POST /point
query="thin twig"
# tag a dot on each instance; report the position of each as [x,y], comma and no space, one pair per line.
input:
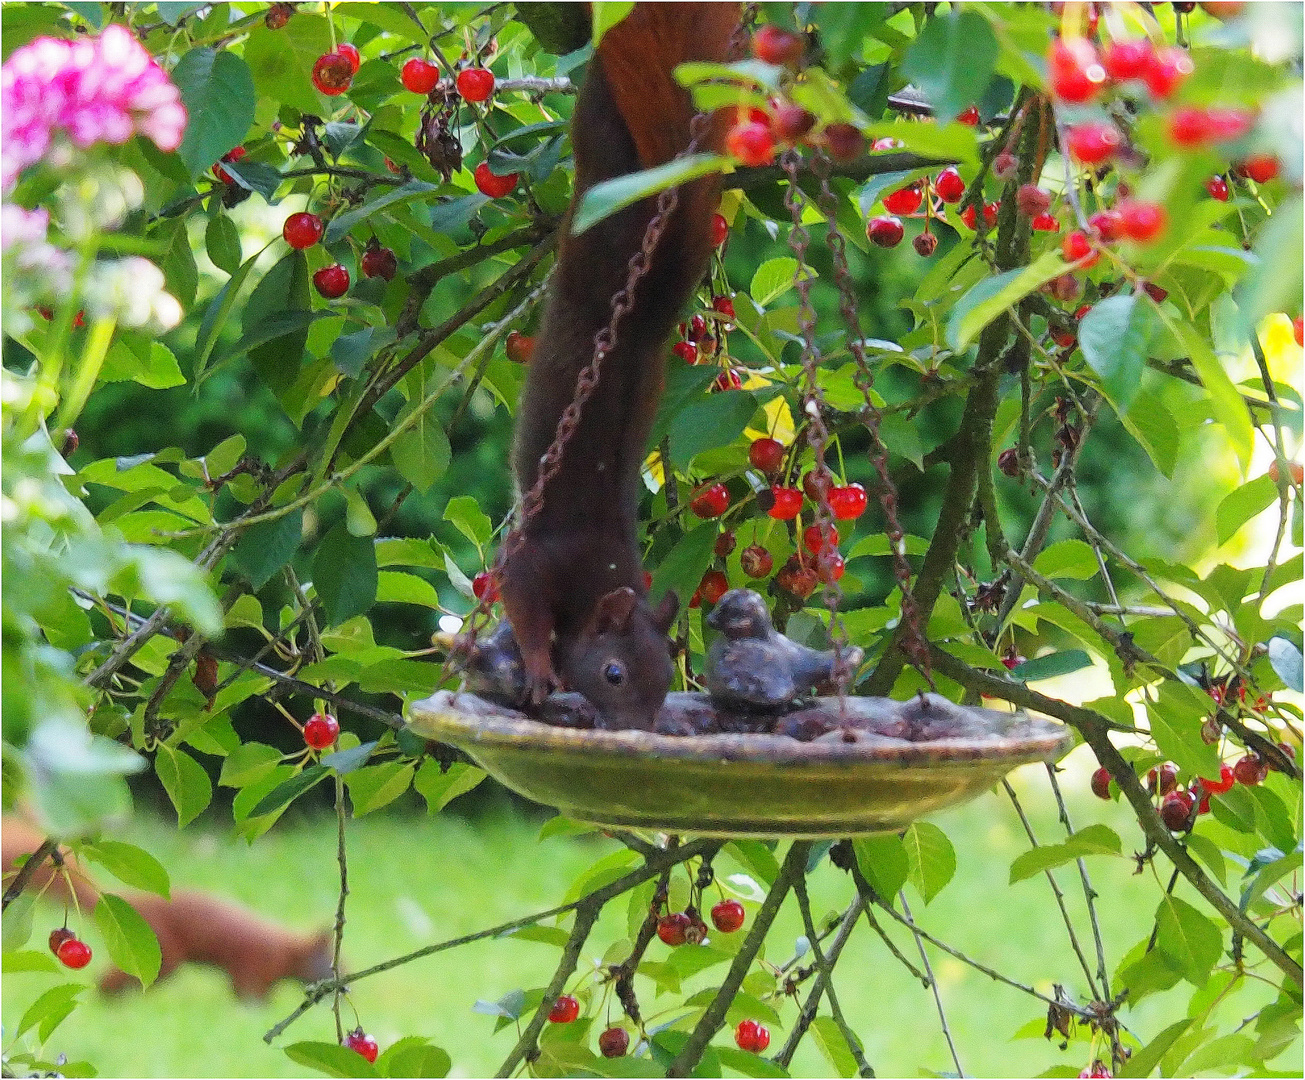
[34,862]
[933,985]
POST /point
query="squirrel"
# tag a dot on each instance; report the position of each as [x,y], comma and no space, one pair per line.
[574,591]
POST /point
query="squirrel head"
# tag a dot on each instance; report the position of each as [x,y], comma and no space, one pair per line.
[621,661]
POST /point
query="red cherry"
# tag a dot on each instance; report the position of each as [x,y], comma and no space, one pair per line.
[331,281]
[686,351]
[1097,1070]
[724,544]
[756,561]
[1077,248]
[1217,187]
[813,538]
[1101,783]
[1004,166]
[788,501]
[321,730]
[73,953]
[766,454]
[419,76]
[236,153]
[797,579]
[351,54]
[1189,126]
[713,586]
[1107,224]
[1032,200]
[565,1009]
[1045,223]
[904,200]
[829,565]
[482,584]
[332,73]
[727,916]
[1250,770]
[845,142]
[1176,809]
[1064,287]
[1261,168]
[728,380]
[1227,124]
[1142,221]
[1166,777]
[723,305]
[1165,69]
[1008,461]
[751,143]
[1074,70]
[695,600]
[886,231]
[614,1042]
[1092,143]
[519,347]
[303,230]
[362,1044]
[673,928]
[777,46]
[380,262]
[492,185]
[751,1036]
[475,84]
[697,328]
[59,936]
[969,116]
[1298,329]
[792,123]
[1223,784]
[1128,59]
[847,503]
[925,244]
[1064,336]
[720,230]
[949,185]
[710,500]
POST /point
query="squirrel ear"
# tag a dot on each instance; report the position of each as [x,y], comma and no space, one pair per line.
[612,612]
[665,612]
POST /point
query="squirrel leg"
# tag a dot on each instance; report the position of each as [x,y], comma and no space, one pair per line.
[531,618]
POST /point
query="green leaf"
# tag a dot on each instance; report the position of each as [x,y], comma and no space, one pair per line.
[247,763]
[345,574]
[993,296]
[218,92]
[129,864]
[952,61]
[129,938]
[1205,849]
[1188,938]
[375,786]
[285,793]
[180,274]
[1093,840]
[883,862]
[340,225]
[149,363]
[829,1038]
[16,923]
[265,548]
[1115,337]
[603,200]
[49,1010]
[1051,665]
[755,857]
[358,517]
[716,420]
[185,781]
[740,1061]
[1069,559]
[330,1058]
[414,1057]
[23,960]
[222,242]
[1243,503]
[931,857]
[1285,658]
[1175,717]
[1225,399]
[218,311]
[1144,1061]
[441,788]
[465,514]
[1150,422]
[422,453]
[773,279]
[1274,282]
[684,564]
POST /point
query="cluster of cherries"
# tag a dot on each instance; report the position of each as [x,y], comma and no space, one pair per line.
[613,1042]
[69,948]
[304,229]
[698,345]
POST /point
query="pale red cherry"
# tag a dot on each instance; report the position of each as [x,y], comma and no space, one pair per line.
[1166,69]
[1141,221]
[1128,59]
[1074,70]
[949,185]
[1093,143]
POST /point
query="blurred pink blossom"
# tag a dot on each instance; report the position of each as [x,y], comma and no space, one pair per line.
[103,89]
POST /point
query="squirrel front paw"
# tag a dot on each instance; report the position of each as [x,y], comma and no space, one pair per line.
[540,681]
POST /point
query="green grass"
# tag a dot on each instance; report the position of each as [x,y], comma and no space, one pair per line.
[416,880]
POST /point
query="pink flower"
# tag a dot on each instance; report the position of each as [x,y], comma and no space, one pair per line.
[103,89]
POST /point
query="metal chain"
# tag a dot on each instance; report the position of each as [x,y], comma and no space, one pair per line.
[915,644]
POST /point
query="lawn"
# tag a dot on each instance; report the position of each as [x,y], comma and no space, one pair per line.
[416,880]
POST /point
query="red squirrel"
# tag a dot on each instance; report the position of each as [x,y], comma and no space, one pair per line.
[192,927]
[574,591]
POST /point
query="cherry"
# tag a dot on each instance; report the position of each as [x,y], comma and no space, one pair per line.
[488,183]
[1185,7]
[673,928]
[830,565]
[845,142]
[818,484]
[720,230]
[1005,167]
[751,1036]
[925,244]
[792,123]
[321,730]
[1093,142]
[1008,461]
[1077,248]
[969,117]
[379,262]
[1217,187]
[1226,124]
[1165,69]
[331,281]
[725,543]
[775,45]
[696,932]
[886,231]
[565,1009]
[813,538]
[59,936]
[751,143]
[710,500]
[1223,784]
[332,73]
[1166,777]
[1250,770]
[727,916]
[350,53]
[303,230]
[1064,336]
[904,200]
[686,351]
[1011,659]
[1261,168]
[1141,221]
[788,501]
[73,953]
[990,211]
[949,185]
[1223,10]
[483,584]
[419,76]
[766,454]
[519,347]
[1032,200]
[723,305]
[614,1042]
[362,1044]
[1298,329]
[713,586]
[1107,224]
[1295,470]
[847,503]
[795,578]
[1128,59]
[236,153]
[728,380]
[1097,1070]
[278,15]
[1176,809]
[1154,291]
[1101,783]
[1189,126]
[1045,223]
[1065,287]
[475,84]
[697,328]
[757,562]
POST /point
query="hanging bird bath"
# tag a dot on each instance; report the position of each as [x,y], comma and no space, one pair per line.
[881,765]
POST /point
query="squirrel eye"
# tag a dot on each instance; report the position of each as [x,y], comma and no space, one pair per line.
[614,673]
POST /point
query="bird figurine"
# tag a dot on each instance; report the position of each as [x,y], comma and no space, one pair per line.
[753,666]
